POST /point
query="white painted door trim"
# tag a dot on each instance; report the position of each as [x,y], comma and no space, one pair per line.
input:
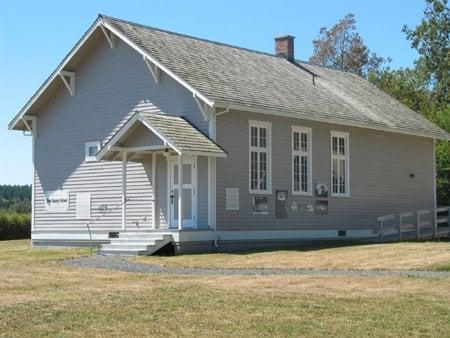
[171,162]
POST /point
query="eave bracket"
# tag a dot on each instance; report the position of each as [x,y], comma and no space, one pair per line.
[154,69]
[69,81]
[110,36]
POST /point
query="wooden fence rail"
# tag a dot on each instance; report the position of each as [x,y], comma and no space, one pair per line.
[418,222]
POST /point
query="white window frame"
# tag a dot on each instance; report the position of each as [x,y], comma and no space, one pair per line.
[88,145]
[346,157]
[308,154]
[267,150]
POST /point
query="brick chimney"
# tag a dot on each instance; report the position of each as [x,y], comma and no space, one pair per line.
[284,47]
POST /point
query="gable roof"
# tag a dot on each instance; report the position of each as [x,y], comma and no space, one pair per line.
[238,78]
[175,131]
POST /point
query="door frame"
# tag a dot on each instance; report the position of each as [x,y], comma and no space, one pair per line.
[194,194]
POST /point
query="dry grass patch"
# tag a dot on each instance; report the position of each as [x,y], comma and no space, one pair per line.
[41,297]
[392,256]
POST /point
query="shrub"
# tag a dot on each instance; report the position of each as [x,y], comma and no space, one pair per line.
[14,225]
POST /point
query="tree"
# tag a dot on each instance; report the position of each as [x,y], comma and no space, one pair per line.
[431,38]
[425,88]
[341,47]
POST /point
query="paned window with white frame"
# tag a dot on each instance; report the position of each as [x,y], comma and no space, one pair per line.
[260,158]
[340,157]
[90,150]
[301,161]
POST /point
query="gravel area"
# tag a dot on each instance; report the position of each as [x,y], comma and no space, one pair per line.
[123,264]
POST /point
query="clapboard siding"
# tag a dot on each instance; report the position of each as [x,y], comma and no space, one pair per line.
[110,85]
[380,165]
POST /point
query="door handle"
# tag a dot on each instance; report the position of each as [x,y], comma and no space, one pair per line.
[172,197]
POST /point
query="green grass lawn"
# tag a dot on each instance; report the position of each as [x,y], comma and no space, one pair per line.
[41,297]
[391,256]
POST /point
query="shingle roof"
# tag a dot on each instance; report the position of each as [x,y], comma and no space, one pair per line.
[231,75]
[179,134]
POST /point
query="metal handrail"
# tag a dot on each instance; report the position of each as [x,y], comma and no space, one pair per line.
[99,217]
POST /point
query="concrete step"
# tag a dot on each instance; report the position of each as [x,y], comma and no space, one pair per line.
[135,243]
[126,241]
[126,247]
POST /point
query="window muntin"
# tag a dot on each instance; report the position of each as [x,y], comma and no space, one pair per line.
[301,161]
[340,180]
[90,150]
[260,157]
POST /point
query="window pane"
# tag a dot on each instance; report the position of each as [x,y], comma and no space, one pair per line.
[254,136]
[187,203]
[262,137]
[304,174]
[187,174]
[254,170]
[296,141]
[296,173]
[335,145]
[335,176]
[262,171]
[304,142]
[92,150]
[342,176]
[341,146]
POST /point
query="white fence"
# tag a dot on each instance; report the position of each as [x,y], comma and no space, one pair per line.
[418,224]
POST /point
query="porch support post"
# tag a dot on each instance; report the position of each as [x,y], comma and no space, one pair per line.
[124,190]
[434,219]
[212,174]
[154,189]
[180,192]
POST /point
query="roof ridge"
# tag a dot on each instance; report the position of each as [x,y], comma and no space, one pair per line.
[217,42]
[187,35]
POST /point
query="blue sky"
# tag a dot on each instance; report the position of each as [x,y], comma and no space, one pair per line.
[36,35]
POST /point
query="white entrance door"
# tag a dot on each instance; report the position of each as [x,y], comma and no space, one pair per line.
[189,192]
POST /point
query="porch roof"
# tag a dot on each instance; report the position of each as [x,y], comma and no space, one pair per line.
[175,132]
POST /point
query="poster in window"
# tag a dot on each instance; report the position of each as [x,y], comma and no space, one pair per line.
[260,205]
[57,201]
[321,207]
[321,190]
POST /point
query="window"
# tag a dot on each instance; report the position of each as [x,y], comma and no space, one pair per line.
[301,161]
[260,161]
[91,149]
[340,173]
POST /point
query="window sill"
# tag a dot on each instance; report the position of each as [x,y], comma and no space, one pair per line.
[255,192]
[87,160]
[337,195]
[306,194]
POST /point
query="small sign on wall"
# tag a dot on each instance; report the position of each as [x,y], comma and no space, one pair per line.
[281,203]
[57,201]
[231,199]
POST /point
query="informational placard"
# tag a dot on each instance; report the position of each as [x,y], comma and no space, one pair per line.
[231,199]
[57,201]
[281,203]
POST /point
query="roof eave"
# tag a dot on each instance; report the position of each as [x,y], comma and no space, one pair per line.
[237,106]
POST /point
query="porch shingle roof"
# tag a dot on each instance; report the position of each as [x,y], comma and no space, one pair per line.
[181,133]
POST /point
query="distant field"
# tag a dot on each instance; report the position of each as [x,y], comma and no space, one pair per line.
[393,256]
[41,297]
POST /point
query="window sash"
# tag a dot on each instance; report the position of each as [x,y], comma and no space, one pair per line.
[340,164]
[301,160]
[259,157]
